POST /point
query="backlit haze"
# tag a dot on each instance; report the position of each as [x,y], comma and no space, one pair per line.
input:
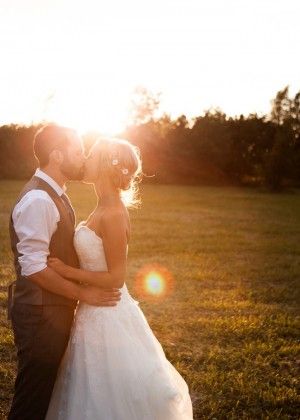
[78,62]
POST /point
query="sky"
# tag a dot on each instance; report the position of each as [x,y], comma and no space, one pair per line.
[78,62]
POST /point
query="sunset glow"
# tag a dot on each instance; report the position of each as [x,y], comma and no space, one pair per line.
[78,62]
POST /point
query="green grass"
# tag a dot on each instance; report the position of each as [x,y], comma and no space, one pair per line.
[231,324]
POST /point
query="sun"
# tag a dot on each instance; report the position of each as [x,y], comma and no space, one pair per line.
[100,110]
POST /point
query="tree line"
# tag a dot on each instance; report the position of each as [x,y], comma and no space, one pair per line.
[210,149]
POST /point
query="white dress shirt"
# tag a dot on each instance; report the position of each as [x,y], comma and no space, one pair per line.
[35,219]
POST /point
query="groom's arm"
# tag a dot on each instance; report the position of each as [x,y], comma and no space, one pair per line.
[35,220]
[53,282]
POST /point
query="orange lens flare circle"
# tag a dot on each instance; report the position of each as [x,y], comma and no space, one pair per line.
[153,282]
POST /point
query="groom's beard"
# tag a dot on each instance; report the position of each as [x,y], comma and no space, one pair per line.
[72,172]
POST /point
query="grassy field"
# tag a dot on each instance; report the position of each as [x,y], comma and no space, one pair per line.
[231,323]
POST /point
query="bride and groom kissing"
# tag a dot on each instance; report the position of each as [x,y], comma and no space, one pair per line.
[85,349]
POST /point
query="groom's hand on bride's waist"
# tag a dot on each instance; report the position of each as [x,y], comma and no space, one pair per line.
[48,279]
[100,297]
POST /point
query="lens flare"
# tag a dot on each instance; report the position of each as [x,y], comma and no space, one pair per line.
[153,282]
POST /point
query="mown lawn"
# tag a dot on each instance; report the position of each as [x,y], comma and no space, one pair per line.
[231,323]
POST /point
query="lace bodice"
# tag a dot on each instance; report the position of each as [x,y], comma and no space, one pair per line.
[89,248]
[90,251]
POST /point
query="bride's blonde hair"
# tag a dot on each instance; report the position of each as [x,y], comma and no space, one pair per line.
[121,163]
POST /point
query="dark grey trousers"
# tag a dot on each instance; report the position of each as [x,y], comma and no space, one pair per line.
[41,337]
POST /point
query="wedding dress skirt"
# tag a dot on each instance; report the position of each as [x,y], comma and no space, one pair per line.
[114,368]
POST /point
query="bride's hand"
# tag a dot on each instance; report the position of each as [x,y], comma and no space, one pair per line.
[57,265]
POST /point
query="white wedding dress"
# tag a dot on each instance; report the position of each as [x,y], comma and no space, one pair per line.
[114,368]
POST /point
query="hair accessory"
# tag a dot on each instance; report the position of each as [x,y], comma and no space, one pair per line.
[125,171]
[115,162]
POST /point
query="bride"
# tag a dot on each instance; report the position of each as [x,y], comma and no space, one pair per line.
[114,367]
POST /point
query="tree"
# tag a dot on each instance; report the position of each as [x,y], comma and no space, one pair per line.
[284,157]
[276,161]
[144,105]
[281,106]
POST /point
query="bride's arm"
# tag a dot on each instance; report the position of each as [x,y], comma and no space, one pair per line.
[114,240]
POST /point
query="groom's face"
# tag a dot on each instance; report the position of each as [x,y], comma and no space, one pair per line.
[73,163]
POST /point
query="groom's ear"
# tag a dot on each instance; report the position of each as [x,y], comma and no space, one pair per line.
[56,156]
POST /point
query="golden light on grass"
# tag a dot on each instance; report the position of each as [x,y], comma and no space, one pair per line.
[154,282]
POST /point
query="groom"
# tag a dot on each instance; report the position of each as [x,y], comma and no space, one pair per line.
[43,303]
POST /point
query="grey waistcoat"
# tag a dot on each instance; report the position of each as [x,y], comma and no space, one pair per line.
[61,246]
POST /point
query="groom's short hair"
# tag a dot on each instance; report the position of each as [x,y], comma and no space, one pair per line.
[48,138]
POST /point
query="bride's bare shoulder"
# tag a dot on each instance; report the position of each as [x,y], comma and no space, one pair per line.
[113,214]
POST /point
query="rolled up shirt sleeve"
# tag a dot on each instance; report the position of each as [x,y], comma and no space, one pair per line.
[35,220]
